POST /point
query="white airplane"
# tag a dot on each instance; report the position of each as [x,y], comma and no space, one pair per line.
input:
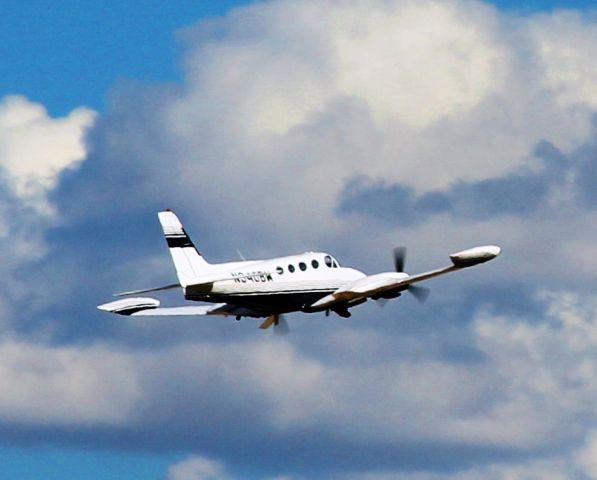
[310,282]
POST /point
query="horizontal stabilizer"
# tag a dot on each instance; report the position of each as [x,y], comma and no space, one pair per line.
[150,307]
[130,306]
[219,309]
[181,311]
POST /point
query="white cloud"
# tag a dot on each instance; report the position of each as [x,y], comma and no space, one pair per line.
[45,385]
[543,400]
[421,93]
[417,61]
[197,468]
[517,398]
[35,148]
[586,457]
[567,44]
[514,397]
[412,61]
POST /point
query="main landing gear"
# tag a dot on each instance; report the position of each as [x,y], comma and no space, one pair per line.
[342,311]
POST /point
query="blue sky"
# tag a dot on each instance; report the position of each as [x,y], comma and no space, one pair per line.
[58,463]
[259,129]
[72,53]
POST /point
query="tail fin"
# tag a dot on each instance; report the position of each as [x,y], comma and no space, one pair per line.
[187,260]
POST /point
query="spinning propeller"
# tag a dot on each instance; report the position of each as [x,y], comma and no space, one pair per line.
[420,293]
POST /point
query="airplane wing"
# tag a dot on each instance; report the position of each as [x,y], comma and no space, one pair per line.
[146,307]
[392,283]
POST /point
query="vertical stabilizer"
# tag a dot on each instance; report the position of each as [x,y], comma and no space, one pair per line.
[187,260]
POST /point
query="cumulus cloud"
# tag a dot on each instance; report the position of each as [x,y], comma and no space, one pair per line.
[513,397]
[555,182]
[390,55]
[35,148]
[59,386]
[395,54]
[566,42]
[437,93]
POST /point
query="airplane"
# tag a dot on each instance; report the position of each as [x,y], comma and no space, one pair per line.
[309,282]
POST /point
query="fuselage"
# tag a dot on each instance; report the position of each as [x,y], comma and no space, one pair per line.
[278,285]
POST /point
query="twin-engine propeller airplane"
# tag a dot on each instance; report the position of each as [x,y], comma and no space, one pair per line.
[310,282]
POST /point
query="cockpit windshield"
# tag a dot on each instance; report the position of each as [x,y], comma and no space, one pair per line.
[330,261]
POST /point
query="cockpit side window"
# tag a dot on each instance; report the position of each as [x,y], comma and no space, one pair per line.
[328,261]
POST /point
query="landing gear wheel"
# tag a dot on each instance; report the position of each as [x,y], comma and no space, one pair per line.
[342,311]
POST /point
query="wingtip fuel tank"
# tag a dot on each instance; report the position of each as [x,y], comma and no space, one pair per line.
[475,256]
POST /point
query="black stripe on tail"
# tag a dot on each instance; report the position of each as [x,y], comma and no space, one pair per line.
[179,241]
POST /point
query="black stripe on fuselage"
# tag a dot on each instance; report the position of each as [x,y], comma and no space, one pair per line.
[324,291]
[269,303]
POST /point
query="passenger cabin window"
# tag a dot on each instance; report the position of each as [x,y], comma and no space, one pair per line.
[280,270]
[302,266]
[315,264]
[328,261]
[291,268]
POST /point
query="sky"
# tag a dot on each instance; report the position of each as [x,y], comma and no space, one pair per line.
[279,127]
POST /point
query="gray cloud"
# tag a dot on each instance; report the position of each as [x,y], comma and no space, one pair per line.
[522,193]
